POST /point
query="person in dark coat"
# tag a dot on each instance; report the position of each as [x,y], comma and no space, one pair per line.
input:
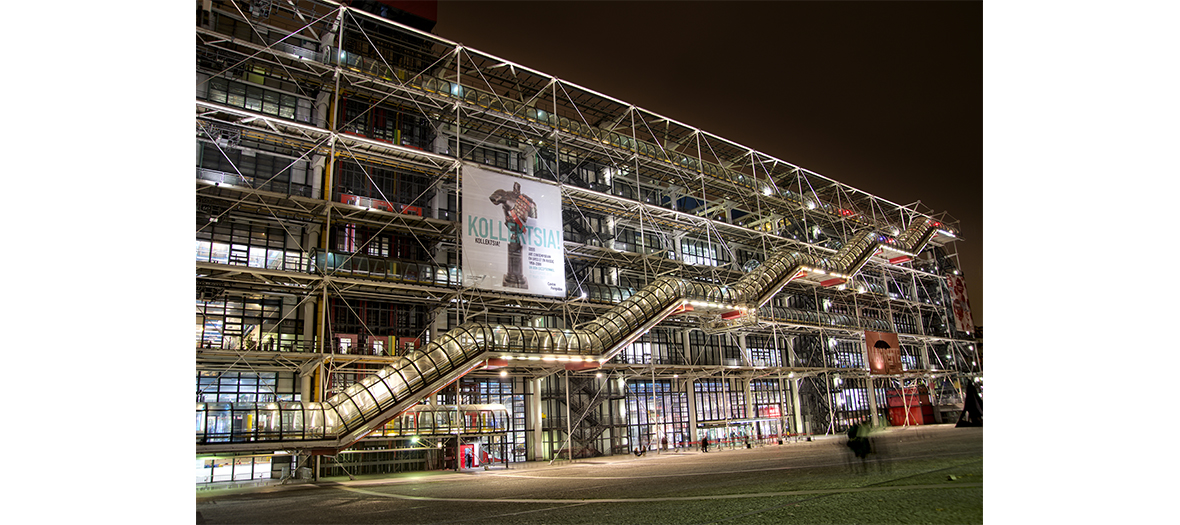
[858,441]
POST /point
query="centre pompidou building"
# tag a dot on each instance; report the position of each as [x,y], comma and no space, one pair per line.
[411,254]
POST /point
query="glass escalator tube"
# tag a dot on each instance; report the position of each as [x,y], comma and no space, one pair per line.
[758,286]
[445,359]
[344,407]
[914,238]
[410,374]
[458,347]
[358,404]
[854,255]
[292,422]
[393,383]
[695,292]
[377,388]
[332,424]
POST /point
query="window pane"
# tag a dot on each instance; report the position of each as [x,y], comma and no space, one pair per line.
[237,94]
[217,90]
[254,99]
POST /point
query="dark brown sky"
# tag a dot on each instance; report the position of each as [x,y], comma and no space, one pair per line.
[884,96]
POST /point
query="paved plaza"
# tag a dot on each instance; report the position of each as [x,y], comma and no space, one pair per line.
[918,475]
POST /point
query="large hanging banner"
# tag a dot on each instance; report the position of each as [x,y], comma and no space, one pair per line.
[512,234]
[959,304]
[884,352]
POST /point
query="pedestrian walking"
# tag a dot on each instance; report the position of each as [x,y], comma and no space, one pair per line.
[858,441]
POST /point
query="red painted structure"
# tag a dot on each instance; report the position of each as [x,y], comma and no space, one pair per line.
[915,400]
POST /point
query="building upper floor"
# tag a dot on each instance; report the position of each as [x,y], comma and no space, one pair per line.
[343,73]
[344,122]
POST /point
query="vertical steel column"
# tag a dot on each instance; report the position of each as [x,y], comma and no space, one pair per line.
[828,386]
[569,417]
[864,355]
[458,429]
[556,139]
[747,387]
[655,400]
[741,342]
[924,356]
[792,358]
[692,411]
[728,404]
[796,405]
[914,290]
[325,235]
[458,154]
[534,420]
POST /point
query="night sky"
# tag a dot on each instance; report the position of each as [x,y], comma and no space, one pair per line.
[886,97]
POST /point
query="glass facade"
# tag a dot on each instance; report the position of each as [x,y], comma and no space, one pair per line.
[330,301]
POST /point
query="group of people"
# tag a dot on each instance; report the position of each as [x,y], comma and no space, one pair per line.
[858,441]
[704,445]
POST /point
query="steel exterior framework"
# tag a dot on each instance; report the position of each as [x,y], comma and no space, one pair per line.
[728,196]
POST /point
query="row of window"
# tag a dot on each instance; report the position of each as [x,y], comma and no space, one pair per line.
[249,323]
[574,168]
[263,171]
[377,242]
[390,124]
[246,387]
[377,318]
[254,98]
[396,186]
[508,160]
[252,256]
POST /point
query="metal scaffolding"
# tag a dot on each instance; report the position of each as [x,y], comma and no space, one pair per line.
[331,149]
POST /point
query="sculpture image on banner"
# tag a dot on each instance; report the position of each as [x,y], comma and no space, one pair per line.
[884,352]
[512,234]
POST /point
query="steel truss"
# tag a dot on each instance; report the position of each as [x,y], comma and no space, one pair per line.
[651,174]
